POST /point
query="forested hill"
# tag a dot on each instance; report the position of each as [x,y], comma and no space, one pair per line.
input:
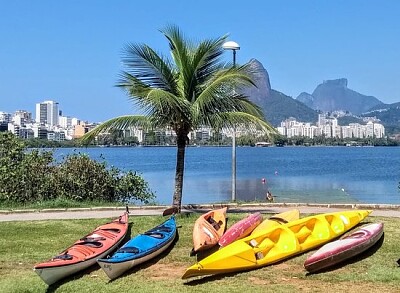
[278,107]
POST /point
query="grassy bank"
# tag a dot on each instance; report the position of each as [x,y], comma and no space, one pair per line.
[26,243]
[58,203]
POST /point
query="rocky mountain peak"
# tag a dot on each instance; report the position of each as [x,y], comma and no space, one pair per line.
[341,82]
[333,95]
[262,90]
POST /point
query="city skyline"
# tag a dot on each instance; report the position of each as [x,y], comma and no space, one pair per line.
[71,53]
[60,127]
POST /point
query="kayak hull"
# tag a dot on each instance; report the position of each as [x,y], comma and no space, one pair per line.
[340,250]
[240,229]
[277,220]
[84,252]
[140,249]
[208,229]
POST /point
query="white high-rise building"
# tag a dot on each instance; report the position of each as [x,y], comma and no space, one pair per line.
[47,113]
[5,117]
[22,117]
[65,121]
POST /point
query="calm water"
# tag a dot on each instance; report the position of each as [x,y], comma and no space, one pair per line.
[292,174]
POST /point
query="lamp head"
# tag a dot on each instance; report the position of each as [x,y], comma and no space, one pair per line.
[231,45]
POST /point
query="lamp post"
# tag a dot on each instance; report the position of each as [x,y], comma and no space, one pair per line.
[233,46]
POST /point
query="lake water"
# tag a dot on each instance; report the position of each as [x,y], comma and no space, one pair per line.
[292,174]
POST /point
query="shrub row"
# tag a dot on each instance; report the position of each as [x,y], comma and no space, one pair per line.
[28,176]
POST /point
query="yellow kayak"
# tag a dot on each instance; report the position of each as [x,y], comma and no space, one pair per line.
[277,243]
[277,220]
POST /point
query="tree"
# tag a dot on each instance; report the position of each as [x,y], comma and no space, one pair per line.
[192,89]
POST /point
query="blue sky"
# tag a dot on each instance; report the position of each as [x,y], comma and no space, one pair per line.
[70,51]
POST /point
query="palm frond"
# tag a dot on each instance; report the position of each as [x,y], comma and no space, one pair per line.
[233,120]
[143,63]
[180,47]
[118,123]
[164,108]
[207,57]
[182,52]
[243,104]
[220,94]
[204,63]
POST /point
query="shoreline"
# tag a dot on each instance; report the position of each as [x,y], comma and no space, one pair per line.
[384,210]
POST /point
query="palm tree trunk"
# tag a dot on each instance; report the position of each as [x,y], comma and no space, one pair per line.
[180,166]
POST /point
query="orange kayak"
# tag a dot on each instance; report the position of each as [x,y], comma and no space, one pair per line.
[84,252]
[208,229]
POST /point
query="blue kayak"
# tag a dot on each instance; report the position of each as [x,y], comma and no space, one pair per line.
[139,249]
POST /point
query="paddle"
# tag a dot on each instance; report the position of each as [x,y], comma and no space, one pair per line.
[170,211]
[279,220]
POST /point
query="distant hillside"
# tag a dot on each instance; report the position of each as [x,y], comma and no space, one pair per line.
[346,120]
[306,99]
[334,95]
[279,107]
[389,114]
[383,107]
[275,105]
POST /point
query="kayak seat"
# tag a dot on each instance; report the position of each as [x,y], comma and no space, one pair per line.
[114,230]
[64,256]
[91,243]
[128,250]
[216,225]
[160,229]
[155,234]
[92,239]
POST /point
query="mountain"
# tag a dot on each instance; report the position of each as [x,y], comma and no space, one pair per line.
[389,114]
[275,105]
[279,107]
[306,99]
[334,95]
[329,96]
[259,94]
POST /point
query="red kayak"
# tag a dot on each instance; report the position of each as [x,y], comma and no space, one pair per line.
[240,229]
[84,252]
[340,250]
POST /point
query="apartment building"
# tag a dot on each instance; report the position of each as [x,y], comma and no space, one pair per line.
[328,126]
[47,113]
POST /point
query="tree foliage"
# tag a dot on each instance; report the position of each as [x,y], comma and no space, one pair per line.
[193,89]
[28,176]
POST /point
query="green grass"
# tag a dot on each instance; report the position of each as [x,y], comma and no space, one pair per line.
[58,203]
[26,243]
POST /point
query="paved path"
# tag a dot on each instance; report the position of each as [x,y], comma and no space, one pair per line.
[104,212]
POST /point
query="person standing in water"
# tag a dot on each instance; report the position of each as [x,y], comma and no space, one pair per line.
[269,196]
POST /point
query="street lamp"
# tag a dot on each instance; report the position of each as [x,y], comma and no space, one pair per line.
[233,46]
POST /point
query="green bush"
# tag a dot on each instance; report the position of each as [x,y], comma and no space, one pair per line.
[34,176]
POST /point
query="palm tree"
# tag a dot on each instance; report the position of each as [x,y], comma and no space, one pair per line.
[192,89]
